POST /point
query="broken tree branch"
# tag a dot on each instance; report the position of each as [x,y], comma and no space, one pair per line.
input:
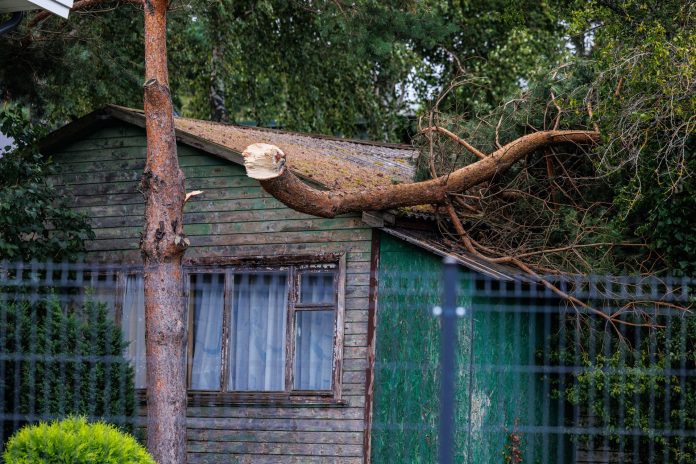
[470,148]
[612,319]
[266,163]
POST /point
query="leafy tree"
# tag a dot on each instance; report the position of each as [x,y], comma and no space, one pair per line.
[644,63]
[35,222]
[61,69]
[633,384]
[332,67]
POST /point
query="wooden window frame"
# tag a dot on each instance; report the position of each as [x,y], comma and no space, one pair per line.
[295,266]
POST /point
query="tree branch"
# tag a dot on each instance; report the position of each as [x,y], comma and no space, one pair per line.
[470,148]
[266,163]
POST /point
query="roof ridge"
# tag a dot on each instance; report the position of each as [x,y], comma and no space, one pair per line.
[399,146]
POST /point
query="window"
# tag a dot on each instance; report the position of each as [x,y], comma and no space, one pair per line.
[133,324]
[251,330]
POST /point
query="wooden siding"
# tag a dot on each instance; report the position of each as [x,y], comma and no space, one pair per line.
[234,217]
[488,402]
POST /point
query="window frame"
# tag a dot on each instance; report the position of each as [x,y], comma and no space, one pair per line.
[295,266]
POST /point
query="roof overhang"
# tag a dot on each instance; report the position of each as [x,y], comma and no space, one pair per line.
[464,258]
[58,7]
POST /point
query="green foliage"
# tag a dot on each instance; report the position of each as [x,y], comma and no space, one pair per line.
[65,68]
[326,67]
[500,44]
[634,384]
[631,77]
[356,68]
[64,361]
[35,221]
[645,101]
[74,441]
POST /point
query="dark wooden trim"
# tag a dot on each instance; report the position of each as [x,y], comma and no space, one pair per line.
[371,343]
[189,321]
[339,318]
[261,261]
[293,283]
[228,295]
[321,399]
[267,399]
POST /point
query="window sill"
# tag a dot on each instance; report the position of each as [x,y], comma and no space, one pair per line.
[259,399]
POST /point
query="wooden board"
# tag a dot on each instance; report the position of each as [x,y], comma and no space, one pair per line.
[233,218]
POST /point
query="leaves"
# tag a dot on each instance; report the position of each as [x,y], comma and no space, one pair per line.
[76,441]
[35,221]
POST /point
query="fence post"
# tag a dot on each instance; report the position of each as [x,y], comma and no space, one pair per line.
[448,343]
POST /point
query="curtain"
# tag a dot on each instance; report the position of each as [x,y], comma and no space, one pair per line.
[314,333]
[317,288]
[313,349]
[257,332]
[103,291]
[208,296]
[133,326]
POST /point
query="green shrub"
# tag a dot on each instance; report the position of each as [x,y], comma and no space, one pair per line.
[63,362]
[74,441]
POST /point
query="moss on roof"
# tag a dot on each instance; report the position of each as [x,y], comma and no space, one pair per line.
[334,163]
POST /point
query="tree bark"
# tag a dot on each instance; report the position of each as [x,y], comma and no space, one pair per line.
[162,246]
[218,110]
[266,163]
[216,91]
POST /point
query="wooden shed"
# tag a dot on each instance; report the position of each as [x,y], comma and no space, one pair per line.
[282,306]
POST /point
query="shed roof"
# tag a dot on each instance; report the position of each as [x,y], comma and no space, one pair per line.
[328,161]
[440,246]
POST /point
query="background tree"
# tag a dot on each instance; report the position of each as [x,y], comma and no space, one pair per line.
[35,222]
[347,68]
[69,375]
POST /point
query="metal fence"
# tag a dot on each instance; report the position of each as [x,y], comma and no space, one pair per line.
[535,376]
[61,347]
[505,371]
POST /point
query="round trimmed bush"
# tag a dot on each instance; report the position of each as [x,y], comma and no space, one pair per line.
[74,441]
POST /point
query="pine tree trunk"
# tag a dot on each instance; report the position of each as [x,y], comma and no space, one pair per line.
[162,246]
[216,91]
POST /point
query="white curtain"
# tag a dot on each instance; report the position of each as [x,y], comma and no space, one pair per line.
[317,288]
[133,326]
[257,335]
[207,297]
[313,349]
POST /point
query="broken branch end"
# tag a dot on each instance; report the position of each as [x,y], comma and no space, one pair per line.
[264,161]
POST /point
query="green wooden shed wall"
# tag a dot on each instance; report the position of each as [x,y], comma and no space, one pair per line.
[405,410]
[234,217]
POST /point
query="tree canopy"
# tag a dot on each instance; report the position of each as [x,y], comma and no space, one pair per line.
[368,68]
[336,67]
